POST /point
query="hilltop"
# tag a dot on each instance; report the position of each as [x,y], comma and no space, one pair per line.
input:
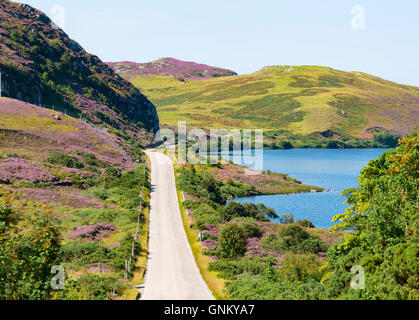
[181,70]
[41,65]
[289,102]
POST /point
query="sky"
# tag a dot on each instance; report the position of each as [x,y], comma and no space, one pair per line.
[379,37]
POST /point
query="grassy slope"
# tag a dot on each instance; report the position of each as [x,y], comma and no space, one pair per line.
[30,133]
[297,100]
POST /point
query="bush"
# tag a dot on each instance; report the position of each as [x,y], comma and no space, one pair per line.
[232,241]
[305,223]
[91,287]
[300,267]
[202,220]
[64,160]
[286,218]
[89,159]
[232,269]
[293,238]
[258,287]
[84,253]
[387,139]
[251,229]
[249,210]
[28,250]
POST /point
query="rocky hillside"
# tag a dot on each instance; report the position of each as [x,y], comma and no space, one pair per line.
[308,102]
[182,70]
[41,65]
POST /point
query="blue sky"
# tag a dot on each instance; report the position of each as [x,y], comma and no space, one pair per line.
[245,35]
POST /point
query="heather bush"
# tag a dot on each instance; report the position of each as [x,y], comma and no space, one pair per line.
[95,231]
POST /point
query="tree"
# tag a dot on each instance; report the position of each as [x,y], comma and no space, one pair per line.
[232,241]
[27,252]
[383,214]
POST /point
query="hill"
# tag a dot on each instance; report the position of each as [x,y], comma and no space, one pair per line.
[81,184]
[41,65]
[289,102]
[34,132]
[181,70]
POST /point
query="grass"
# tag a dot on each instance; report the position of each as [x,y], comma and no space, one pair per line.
[141,263]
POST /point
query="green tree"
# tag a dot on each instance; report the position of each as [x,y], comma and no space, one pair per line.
[27,252]
[383,214]
[232,241]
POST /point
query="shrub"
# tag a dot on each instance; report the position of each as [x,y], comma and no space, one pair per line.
[232,241]
[84,253]
[300,267]
[64,160]
[250,210]
[286,218]
[251,229]
[231,269]
[305,223]
[387,139]
[259,287]
[91,287]
[293,238]
[28,250]
[202,220]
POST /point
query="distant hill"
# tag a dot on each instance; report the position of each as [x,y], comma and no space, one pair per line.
[288,101]
[182,70]
[41,65]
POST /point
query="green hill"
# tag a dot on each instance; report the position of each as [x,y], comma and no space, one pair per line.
[308,102]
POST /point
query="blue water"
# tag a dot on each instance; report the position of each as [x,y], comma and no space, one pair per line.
[333,169]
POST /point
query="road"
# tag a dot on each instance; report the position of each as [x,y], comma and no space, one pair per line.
[172,273]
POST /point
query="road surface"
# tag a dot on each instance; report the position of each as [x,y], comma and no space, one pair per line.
[172,273]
